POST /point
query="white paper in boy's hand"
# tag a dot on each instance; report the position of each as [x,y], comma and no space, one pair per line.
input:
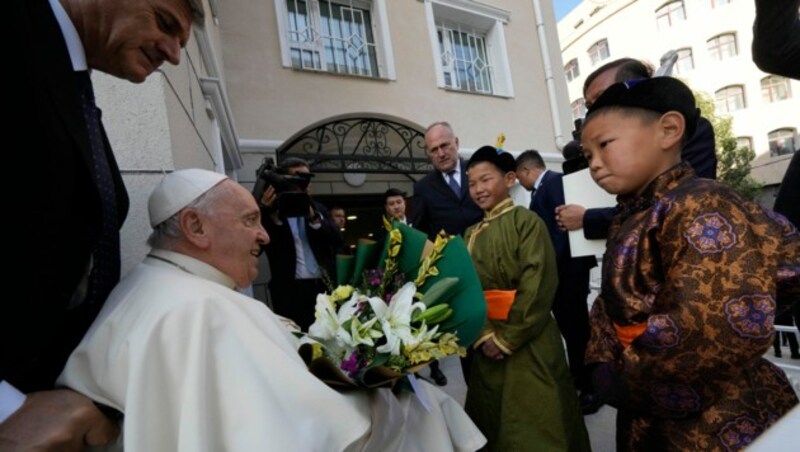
[580,189]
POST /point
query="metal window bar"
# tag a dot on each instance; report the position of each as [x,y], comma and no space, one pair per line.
[464,60]
[332,36]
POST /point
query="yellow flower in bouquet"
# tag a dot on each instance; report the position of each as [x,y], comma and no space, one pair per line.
[383,323]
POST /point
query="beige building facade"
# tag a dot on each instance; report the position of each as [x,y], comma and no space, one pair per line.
[713,40]
[262,76]
[479,65]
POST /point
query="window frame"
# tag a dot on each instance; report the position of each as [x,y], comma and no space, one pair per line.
[749,141]
[667,10]
[714,47]
[682,57]
[727,101]
[384,58]
[596,57]
[479,19]
[773,83]
[572,70]
[792,132]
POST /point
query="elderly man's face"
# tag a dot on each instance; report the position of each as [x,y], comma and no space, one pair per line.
[134,37]
[235,234]
[442,147]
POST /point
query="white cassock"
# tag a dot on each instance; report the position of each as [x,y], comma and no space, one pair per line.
[196,366]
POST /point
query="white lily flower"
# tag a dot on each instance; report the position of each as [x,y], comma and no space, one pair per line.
[422,335]
[395,317]
[327,320]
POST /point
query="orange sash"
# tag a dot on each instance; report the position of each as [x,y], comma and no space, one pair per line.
[627,334]
[499,303]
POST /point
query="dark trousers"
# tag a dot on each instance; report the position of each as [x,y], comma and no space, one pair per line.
[572,315]
[296,298]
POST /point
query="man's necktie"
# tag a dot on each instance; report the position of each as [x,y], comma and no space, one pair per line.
[105,264]
[451,176]
[312,267]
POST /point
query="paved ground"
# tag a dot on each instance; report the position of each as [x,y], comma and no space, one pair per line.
[601,425]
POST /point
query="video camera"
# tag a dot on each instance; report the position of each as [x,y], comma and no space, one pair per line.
[291,189]
[573,152]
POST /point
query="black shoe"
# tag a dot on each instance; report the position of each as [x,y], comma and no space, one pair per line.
[778,354]
[438,376]
[590,403]
[795,355]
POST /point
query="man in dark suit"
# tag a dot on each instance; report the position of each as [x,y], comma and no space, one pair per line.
[569,305]
[67,219]
[301,252]
[441,199]
[699,150]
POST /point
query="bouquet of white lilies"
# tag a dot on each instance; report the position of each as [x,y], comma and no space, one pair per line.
[385,328]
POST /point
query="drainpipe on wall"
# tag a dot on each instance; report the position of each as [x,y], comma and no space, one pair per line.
[555,111]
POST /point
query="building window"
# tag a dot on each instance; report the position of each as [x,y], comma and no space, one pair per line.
[469,42]
[464,61]
[578,109]
[338,36]
[599,51]
[572,70]
[775,88]
[744,142]
[783,141]
[730,98]
[723,46]
[716,3]
[670,14]
[685,62]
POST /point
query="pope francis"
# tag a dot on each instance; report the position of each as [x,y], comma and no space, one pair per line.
[195,365]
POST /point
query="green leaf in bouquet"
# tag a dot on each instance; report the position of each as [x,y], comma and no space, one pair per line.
[468,302]
[441,291]
[349,269]
[344,268]
[364,259]
[466,298]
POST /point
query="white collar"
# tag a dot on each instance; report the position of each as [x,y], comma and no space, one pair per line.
[456,173]
[163,258]
[74,46]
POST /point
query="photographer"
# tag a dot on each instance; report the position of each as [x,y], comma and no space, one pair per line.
[303,239]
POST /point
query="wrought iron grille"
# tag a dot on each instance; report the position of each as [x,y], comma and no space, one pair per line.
[375,144]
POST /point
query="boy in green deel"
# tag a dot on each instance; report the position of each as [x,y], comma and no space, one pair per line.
[693,275]
[520,392]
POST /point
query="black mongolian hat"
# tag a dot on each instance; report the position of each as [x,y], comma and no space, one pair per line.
[501,159]
[659,94]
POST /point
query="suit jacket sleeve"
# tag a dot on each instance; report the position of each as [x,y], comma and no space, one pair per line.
[597,221]
[700,150]
[419,214]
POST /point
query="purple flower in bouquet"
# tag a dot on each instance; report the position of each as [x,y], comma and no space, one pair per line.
[352,365]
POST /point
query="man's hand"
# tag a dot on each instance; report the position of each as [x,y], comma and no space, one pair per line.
[491,350]
[570,217]
[61,420]
[269,196]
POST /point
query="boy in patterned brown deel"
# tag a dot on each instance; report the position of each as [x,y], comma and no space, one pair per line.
[693,275]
